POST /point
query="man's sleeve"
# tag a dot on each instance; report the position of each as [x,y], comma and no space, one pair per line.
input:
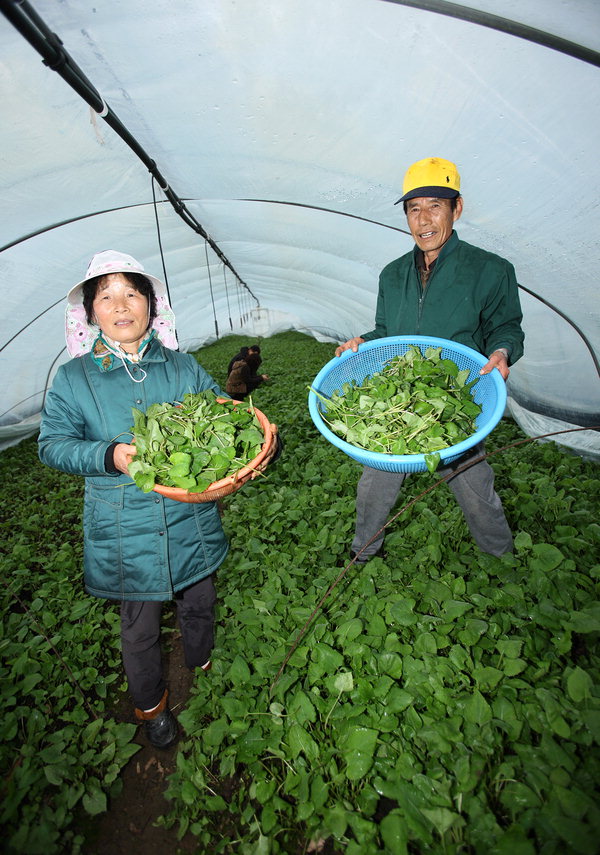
[380,330]
[503,316]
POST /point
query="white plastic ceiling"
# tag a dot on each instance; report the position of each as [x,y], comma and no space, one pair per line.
[286,126]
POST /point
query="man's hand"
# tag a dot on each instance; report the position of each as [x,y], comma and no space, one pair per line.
[351,344]
[122,456]
[497,360]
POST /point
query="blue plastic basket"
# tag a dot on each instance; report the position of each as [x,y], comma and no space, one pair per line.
[489,392]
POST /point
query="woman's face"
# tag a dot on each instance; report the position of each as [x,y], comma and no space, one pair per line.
[120,311]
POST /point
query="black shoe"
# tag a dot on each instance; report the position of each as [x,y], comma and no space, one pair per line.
[162,730]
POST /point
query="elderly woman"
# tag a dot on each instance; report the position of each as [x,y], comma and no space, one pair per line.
[139,548]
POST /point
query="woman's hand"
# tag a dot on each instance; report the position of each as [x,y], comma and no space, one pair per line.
[274,451]
[122,456]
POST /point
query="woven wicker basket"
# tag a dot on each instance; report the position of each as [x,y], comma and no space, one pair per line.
[226,486]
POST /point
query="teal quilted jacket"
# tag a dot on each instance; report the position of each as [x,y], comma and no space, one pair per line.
[137,546]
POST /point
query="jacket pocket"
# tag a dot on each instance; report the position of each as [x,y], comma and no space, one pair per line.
[102,513]
[211,542]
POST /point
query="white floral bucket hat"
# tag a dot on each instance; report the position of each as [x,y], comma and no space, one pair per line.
[80,335]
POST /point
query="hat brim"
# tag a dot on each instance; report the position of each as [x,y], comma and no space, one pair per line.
[75,295]
[429,193]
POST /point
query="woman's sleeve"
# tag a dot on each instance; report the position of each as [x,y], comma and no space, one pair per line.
[61,443]
[204,382]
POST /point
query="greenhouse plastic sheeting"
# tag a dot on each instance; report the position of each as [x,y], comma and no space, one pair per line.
[286,128]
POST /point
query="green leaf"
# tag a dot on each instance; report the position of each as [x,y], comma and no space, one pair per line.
[573,801]
[319,792]
[215,732]
[587,620]
[432,461]
[579,684]
[487,677]
[344,682]
[302,708]
[523,541]
[441,818]
[265,790]
[401,612]
[580,837]
[505,711]
[94,801]
[397,700]
[181,458]
[358,750]
[517,796]
[546,557]
[326,660]
[394,833]
[92,730]
[336,820]
[29,682]
[125,752]
[300,741]
[239,671]
[558,723]
[263,846]
[509,647]
[390,663]
[425,644]
[514,841]
[56,773]
[454,609]
[512,667]
[145,480]
[591,719]
[472,632]
[477,709]
[349,630]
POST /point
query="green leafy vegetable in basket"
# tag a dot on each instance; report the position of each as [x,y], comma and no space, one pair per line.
[417,404]
[194,443]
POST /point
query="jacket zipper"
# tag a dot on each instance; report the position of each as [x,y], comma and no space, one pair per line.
[422,293]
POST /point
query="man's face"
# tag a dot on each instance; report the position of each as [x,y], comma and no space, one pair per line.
[430,222]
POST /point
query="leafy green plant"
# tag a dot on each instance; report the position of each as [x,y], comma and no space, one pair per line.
[442,701]
[60,749]
[416,404]
[193,443]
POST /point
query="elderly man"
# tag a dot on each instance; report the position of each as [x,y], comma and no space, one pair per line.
[448,289]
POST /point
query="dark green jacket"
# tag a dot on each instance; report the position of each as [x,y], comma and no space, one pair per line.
[471,297]
[137,546]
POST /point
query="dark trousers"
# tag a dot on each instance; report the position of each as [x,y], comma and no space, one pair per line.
[473,489]
[140,639]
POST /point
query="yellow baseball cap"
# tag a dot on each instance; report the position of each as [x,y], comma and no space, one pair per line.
[432,176]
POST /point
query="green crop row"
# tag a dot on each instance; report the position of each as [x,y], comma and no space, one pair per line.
[437,700]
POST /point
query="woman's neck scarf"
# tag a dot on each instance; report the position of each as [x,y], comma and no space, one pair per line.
[105,351]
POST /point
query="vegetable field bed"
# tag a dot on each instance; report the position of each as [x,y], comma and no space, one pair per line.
[442,701]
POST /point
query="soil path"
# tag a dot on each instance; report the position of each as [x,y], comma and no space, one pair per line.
[127,828]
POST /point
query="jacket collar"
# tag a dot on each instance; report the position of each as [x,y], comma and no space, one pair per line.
[107,361]
[445,251]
